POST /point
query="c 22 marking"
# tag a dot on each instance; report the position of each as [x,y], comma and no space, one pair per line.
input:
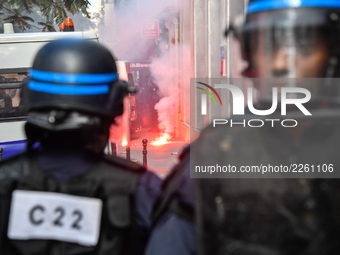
[37,213]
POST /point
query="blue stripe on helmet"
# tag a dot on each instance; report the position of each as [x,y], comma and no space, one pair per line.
[73,78]
[68,89]
[264,5]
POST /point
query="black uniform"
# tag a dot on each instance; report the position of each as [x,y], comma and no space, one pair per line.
[291,212]
[112,180]
[173,216]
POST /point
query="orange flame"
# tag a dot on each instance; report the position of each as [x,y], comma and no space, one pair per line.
[163,139]
[124,143]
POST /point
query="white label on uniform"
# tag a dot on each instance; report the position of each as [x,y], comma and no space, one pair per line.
[54,216]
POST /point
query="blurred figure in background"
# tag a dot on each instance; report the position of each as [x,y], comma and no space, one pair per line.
[152,97]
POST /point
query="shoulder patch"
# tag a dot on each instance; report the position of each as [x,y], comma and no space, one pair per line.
[123,163]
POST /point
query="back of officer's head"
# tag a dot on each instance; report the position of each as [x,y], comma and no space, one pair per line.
[72,94]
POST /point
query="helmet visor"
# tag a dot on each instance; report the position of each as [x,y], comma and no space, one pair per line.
[291,43]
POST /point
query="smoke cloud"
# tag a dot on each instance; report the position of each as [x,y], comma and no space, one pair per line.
[122,34]
[122,27]
[165,73]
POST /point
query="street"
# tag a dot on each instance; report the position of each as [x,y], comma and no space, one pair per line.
[160,158]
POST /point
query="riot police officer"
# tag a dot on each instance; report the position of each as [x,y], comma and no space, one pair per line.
[280,212]
[63,195]
[173,216]
[274,201]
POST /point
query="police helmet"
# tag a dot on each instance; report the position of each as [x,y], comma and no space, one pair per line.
[305,33]
[72,95]
[75,74]
[292,43]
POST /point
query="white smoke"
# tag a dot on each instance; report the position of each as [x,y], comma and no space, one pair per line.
[121,31]
[165,73]
[122,34]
